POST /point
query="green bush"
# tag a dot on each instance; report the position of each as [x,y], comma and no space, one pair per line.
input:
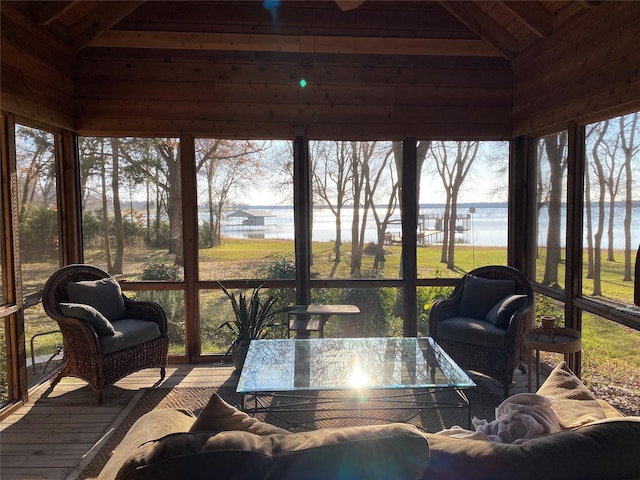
[154,270]
[39,235]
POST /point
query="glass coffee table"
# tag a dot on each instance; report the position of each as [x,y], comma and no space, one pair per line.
[364,374]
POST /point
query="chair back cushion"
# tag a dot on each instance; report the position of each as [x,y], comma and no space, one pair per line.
[93,317]
[480,295]
[104,295]
[501,313]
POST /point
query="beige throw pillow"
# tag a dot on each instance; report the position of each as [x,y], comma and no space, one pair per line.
[218,416]
[575,404]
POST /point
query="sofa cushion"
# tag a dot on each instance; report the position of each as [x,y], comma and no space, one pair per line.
[602,450]
[104,295]
[371,452]
[479,295]
[154,424]
[218,416]
[129,333]
[472,331]
[93,317]
[501,313]
[575,404]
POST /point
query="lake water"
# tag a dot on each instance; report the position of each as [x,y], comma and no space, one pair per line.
[486,227]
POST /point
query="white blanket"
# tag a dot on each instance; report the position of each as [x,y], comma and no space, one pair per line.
[518,418]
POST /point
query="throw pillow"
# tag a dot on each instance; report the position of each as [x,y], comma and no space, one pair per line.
[101,325]
[500,315]
[104,295]
[575,404]
[479,295]
[218,416]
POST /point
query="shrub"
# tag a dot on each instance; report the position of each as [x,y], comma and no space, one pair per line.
[154,270]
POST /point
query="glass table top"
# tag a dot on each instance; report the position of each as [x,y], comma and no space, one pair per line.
[343,363]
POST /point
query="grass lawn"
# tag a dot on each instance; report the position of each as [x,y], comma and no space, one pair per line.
[609,349]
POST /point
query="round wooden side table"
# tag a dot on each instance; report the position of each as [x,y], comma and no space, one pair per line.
[559,340]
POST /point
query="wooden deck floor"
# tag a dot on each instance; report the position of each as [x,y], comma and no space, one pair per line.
[55,435]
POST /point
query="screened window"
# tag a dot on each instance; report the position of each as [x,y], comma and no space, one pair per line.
[462,218]
[551,204]
[612,209]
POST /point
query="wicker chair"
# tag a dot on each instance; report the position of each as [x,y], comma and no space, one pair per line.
[84,357]
[468,335]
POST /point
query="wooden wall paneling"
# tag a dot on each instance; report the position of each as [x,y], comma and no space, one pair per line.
[557,70]
[617,101]
[109,74]
[26,33]
[598,28]
[272,130]
[582,82]
[293,17]
[585,71]
[30,90]
[131,95]
[36,72]
[302,114]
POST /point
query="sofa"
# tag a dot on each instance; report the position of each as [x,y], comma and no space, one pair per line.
[596,442]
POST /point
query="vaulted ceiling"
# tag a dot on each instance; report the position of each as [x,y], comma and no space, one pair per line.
[373,68]
[440,28]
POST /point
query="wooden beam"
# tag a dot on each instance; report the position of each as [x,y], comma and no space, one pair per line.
[293,43]
[45,12]
[100,20]
[534,15]
[484,26]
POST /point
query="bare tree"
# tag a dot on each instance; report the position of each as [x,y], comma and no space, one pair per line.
[555,148]
[35,169]
[384,173]
[628,131]
[116,267]
[598,151]
[453,162]
[361,153]
[228,166]
[332,175]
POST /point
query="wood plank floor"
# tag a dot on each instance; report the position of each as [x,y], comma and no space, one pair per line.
[56,434]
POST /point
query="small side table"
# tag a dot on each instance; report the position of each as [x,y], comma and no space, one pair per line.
[304,326]
[559,340]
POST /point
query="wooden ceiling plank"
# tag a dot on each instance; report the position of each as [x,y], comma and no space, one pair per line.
[44,12]
[534,15]
[292,43]
[100,20]
[484,26]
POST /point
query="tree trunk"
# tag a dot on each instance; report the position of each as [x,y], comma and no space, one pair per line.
[554,145]
[628,148]
[117,210]
[105,215]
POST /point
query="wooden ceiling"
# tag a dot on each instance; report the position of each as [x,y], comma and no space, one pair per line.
[375,68]
[440,28]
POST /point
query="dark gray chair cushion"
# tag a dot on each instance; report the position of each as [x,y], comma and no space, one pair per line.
[502,311]
[472,331]
[101,325]
[479,295]
[129,333]
[104,295]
